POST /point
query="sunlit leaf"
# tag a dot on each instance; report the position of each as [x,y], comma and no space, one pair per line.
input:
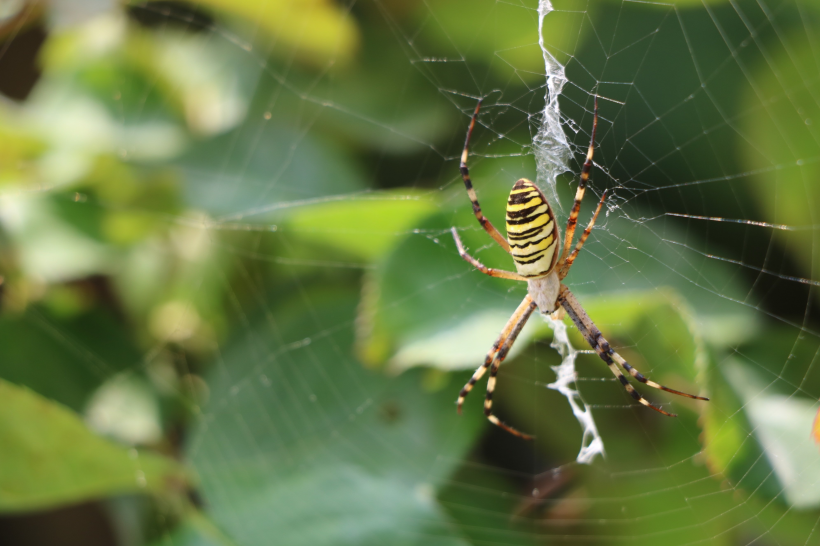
[317,31]
[782,426]
[125,409]
[50,458]
[462,347]
[143,77]
[781,423]
[366,225]
[756,434]
[51,248]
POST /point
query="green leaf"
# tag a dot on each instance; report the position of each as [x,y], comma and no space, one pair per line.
[64,358]
[758,430]
[196,529]
[781,424]
[781,125]
[503,35]
[51,458]
[366,225]
[51,248]
[464,345]
[147,80]
[358,105]
[311,447]
[341,504]
[316,31]
[209,81]
[260,168]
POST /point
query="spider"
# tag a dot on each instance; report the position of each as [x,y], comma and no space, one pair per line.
[532,236]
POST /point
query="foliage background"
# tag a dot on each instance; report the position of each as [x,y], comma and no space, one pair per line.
[232,313]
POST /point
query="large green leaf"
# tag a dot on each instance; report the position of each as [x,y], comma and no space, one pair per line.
[302,442]
[50,458]
[263,167]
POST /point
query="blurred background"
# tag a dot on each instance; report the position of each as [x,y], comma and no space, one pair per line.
[232,313]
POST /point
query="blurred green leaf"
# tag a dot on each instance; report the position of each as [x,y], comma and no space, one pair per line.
[338,504]
[462,347]
[365,226]
[50,458]
[777,521]
[781,126]
[263,167]
[78,126]
[144,78]
[358,105]
[195,530]
[209,81]
[780,423]
[317,31]
[366,464]
[423,287]
[498,520]
[637,488]
[683,3]
[19,149]
[64,358]
[503,35]
[757,434]
[49,247]
[100,60]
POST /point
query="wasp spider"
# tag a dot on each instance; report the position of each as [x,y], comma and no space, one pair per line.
[532,238]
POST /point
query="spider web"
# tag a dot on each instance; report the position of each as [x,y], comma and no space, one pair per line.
[321,324]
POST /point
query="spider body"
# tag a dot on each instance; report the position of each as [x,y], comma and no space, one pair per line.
[532,241]
[533,235]
[531,230]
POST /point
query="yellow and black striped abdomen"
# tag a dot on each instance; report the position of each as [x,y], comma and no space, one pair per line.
[531,230]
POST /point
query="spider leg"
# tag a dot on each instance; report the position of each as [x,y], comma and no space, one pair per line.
[564,268]
[465,175]
[499,358]
[601,346]
[501,274]
[505,333]
[640,377]
[582,186]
